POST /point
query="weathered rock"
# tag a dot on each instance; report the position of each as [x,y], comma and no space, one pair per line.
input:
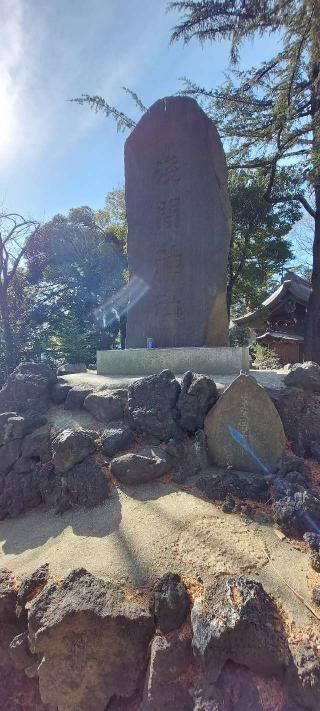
[37,445]
[316,595]
[59,392]
[85,485]
[70,447]
[76,397]
[165,686]
[144,465]
[88,632]
[303,677]
[244,430]
[300,415]
[19,492]
[8,596]
[297,513]
[69,368]
[152,405]
[179,221]
[313,542]
[27,388]
[237,620]
[24,465]
[304,375]
[4,417]
[32,585]
[170,603]
[198,394]
[294,470]
[19,651]
[190,456]
[245,485]
[105,406]
[116,438]
[33,422]
[9,453]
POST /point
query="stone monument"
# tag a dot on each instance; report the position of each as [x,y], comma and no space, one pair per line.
[179,220]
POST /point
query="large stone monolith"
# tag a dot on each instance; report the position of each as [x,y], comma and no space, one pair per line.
[179,220]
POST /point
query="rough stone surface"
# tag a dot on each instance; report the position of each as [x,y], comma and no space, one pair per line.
[8,596]
[69,368]
[237,620]
[105,406]
[170,659]
[92,639]
[313,542]
[76,397]
[59,392]
[152,405]
[11,427]
[297,513]
[32,585]
[198,394]
[255,425]
[27,388]
[9,453]
[170,603]
[144,465]
[190,456]
[304,375]
[85,485]
[37,445]
[70,447]
[300,415]
[244,485]
[179,221]
[116,438]
[304,677]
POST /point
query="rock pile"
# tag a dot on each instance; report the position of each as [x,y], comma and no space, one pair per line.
[66,645]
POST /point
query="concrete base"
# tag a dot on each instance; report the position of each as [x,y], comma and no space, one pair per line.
[141,361]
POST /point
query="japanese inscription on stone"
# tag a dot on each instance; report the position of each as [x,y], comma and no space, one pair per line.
[179,221]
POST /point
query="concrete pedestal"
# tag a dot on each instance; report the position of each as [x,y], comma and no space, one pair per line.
[141,361]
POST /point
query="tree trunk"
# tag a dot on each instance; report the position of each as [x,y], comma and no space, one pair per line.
[312,329]
[10,355]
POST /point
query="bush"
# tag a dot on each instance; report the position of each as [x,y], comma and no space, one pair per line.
[240,335]
[265,358]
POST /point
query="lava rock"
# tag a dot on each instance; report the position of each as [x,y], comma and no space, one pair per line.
[71,447]
[88,632]
[297,513]
[19,651]
[313,541]
[27,388]
[37,445]
[4,428]
[190,456]
[300,414]
[229,504]
[116,438]
[105,407]
[8,597]
[316,595]
[303,676]
[198,394]
[237,620]
[245,485]
[139,467]
[170,658]
[70,368]
[9,453]
[32,585]
[59,392]
[84,485]
[24,465]
[33,422]
[170,603]
[76,397]
[152,405]
[304,375]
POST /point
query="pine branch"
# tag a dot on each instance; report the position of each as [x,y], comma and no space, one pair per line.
[98,104]
[135,98]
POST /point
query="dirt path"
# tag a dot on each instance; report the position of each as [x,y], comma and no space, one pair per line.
[142,532]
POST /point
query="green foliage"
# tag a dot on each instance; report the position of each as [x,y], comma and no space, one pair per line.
[239,335]
[112,218]
[259,249]
[265,358]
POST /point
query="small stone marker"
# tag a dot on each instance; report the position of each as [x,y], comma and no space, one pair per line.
[256,426]
[179,226]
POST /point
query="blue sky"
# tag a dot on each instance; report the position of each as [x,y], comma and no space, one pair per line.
[55,155]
